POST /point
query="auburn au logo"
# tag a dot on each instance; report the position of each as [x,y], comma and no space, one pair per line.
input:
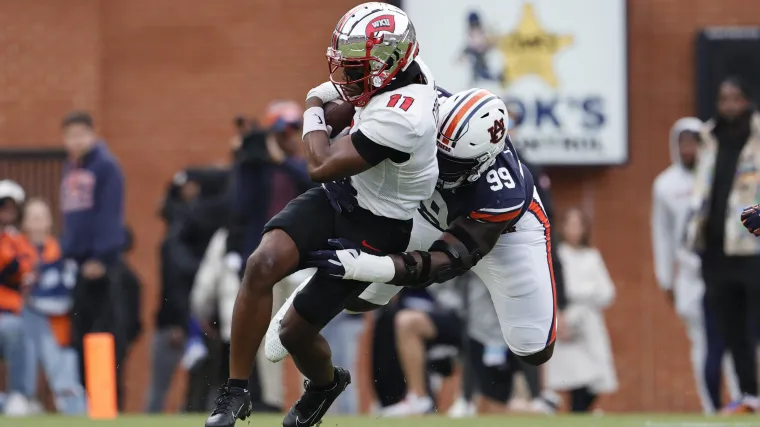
[497,131]
[381,23]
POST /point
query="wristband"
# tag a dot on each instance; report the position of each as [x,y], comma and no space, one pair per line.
[314,120]
[371,268]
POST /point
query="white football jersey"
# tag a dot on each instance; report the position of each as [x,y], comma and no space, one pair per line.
[403,119]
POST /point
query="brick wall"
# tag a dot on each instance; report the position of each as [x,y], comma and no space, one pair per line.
[164,82]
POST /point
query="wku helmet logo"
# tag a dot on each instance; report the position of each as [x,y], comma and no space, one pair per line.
[381,23]
[497,131]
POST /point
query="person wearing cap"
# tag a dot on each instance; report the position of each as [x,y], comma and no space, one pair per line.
[727,179]
[16,274]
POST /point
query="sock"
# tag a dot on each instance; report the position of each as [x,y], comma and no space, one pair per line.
[238,383]
[327,387]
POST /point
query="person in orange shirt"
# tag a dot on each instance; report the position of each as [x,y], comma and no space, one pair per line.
[16,271]
[46,314]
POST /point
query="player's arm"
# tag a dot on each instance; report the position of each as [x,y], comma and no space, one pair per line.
[456,251]
[348,156]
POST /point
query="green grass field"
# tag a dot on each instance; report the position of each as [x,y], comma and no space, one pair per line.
[432,421]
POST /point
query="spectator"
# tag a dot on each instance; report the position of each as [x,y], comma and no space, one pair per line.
[582,361]
[417,328]
[132,288]
[388,378]
[678,269]
[194,207]
[46,315]
[16,273]
[213,294]
[92,202]
[726,182]
[177,266]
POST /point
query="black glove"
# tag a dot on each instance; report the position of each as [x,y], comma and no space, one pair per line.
[342,195]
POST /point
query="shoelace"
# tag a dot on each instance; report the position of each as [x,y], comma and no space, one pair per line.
[222,402]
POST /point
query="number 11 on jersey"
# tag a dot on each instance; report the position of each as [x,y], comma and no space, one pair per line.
[395,98]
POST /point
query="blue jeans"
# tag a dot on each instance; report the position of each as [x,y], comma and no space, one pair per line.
[13,351]
[343,334]
[61,365]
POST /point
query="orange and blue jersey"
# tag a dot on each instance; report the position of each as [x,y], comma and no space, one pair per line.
[51,293]
[17,259]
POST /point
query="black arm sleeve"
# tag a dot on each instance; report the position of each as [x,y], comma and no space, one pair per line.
[374,153]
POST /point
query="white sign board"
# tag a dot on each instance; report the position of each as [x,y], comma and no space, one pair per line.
[559,64]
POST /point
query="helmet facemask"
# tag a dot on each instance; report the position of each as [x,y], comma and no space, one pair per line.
[454,172]
[358,78]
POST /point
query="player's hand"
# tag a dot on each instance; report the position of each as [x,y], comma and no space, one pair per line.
[751,219]
[342,195]
[339,262]
[325,92]
[93,270]
[347,261]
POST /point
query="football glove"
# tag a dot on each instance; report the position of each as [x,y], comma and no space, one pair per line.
[338,262]
[342,195]
[751,219]
[347,261]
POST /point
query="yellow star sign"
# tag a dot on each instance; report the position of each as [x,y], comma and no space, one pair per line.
[529,49]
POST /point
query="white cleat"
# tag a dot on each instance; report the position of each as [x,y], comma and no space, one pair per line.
[273,348]
[410,406]
[462,409]
[17,406]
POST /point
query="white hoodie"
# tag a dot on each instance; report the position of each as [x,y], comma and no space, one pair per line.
[216,286]
[676,268]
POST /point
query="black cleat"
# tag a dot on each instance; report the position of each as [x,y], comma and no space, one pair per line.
[313,404]
[232,404]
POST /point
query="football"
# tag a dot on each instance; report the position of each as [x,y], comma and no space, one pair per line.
[338,115]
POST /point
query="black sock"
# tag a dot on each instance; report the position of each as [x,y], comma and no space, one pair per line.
[328,387]
[237,383]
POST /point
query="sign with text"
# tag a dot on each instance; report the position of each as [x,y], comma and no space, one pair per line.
[559,65]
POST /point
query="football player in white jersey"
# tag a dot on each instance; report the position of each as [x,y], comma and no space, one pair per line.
[492,221]
[374,178]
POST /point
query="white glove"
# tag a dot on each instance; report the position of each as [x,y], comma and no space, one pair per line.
[326,92]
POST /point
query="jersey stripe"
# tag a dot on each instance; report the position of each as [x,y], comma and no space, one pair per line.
[536,209]
[502,210]
[463,126]
[503,217]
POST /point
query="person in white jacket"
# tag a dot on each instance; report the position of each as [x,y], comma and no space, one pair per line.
[678,270]
[583,362]
[214,291]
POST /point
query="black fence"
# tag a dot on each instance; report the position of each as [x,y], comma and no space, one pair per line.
[39,172]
